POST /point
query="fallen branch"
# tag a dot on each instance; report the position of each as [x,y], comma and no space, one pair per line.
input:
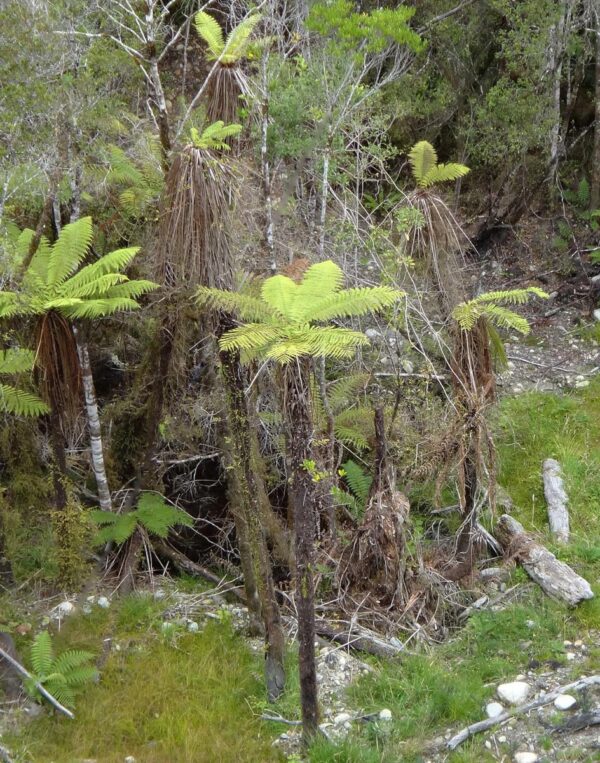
[556,500]
[578,722]
[555,578]
[44,692]
[359,639]
[545,699]
[194,569]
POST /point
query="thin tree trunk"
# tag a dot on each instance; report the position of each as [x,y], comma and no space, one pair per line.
[59,472]
[93,422]
[595,185]
[303,499]
[265,164]
[324,194]
[250,491]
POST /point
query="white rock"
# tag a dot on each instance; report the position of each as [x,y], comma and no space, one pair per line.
[564,702]
[341,718]
[103,602]
[372,334]
[159,594]
[385,714]
[193,627]
[65,608]
[502,739]
[494,709]
[526,757]
[129,759]
[570,655]
[597,315]
[514,692]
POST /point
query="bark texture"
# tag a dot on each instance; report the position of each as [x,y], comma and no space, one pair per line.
[555,578]
[304,502]
[556,500]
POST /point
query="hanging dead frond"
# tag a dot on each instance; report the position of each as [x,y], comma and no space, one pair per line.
[225,93]
[57,368]
[195,222]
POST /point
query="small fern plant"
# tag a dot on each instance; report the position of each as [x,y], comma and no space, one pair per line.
[12,399]
[152,514]
[426,170]
[214,136]
[359,484]
[491,307]
[63,676]
[229,50]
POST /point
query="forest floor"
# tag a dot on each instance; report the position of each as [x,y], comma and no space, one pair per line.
[168,694]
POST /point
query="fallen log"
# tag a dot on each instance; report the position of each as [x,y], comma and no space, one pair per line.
[556,500]
[359,639]
[555,578]
[545,699]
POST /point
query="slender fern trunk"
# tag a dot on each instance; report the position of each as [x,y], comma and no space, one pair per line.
[251,494]
[93,422]
[595,184]
[304,505]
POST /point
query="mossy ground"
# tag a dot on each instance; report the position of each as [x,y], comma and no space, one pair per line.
[181,698]
[198,698]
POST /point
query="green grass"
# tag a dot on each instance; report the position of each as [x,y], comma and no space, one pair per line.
[162,699]
[428,694]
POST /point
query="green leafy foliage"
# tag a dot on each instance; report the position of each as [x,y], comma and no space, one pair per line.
[54,279]
[12,399]
[289,310]
[359,484]
[215,136]
[62,676]
[489,306]
[426,170]
[153,514]
[141,181]
[228,51]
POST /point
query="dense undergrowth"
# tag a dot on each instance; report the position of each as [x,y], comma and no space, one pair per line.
[199,697]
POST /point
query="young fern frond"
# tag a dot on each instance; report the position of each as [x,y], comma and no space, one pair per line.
[246,307]
[13,400]
[211,33]
[426,171]
[358,480]
[42,654]
[238,40]
[351,302]
[215,136]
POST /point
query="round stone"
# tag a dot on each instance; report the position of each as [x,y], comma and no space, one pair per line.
[526,757]
[103,602]
[494,709]
[514,692]
[564,702]
[385,714]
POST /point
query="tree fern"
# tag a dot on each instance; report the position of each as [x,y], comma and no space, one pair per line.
[283,327]
[358,480]
[57,290]
[489,306]
[62,676]
[153,514]
[228,51]
[426,171]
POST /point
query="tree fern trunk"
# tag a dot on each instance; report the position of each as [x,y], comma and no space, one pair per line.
[93,422]
[249,490]
[304,503]
[595,185]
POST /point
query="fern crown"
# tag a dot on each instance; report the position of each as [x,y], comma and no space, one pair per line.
[153,514]
[215,135]
[490,306]
[281,322]
[54,279]
[13,400]
[228,51]
[426,171]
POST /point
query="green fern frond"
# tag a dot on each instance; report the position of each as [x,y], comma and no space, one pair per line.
[93,309]
[215,136]
[343,391]
[279,292]
[358,480]
[210,31]
[443,173]
[426,171]
[246,307]
[422,158]
[15,361]
[159,517]
[238,40]
[351,302]
[319,279]
[42,654]
[250,336]
[69,250]
[511,296]
[507,319]
[67,662]
[20,403]
[486,305]
[354,426]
